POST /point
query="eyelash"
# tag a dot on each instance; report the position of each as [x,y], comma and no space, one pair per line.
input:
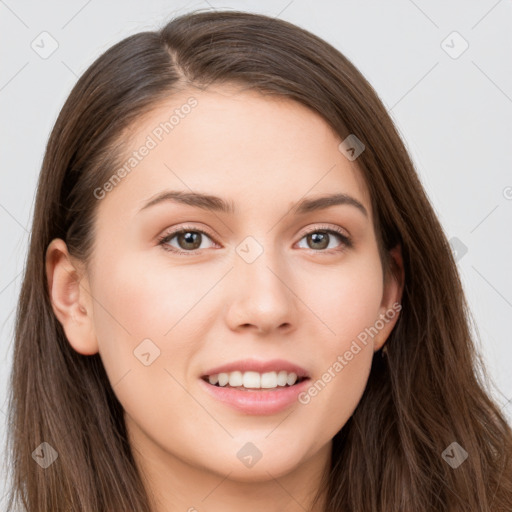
[163,240]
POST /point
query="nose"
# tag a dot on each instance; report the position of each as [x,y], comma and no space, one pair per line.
[262,296]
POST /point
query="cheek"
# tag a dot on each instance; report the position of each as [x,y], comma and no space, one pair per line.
[135,307]
[144,300]
[349,304]
[136,302]
[346,300]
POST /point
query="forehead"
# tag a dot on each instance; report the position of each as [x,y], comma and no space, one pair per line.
[250,148]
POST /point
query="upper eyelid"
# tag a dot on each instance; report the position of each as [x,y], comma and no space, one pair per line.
[175,231]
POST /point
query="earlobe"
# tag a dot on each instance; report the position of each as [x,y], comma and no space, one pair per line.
[70,301]
[392,297]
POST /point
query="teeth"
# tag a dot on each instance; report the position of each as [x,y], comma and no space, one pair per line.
[282,378]
[254,380]
[291,379]
[235,379]
[223,379]
[251,380]
[269,380]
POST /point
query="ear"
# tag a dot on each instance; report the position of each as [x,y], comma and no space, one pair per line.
[71,301]
[391,298]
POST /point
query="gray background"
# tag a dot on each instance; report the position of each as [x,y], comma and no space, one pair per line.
[453,109]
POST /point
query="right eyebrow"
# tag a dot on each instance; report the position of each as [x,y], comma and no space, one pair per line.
[194,199]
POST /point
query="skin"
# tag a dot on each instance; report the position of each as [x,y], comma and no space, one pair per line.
[293,302]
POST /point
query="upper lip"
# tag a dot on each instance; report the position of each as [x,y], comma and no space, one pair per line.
[260,366]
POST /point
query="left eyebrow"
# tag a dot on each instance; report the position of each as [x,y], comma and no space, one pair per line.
[323,202]
[217,204]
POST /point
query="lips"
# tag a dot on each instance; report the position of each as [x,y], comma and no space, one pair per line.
[256,401]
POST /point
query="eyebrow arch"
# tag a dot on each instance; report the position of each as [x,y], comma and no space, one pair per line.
[217,204]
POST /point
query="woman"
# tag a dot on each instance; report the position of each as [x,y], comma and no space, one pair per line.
[237,294]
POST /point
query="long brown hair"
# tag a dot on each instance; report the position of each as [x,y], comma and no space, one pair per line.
[426,394]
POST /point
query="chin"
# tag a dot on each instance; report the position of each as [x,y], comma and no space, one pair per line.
[260,460]
[262,471]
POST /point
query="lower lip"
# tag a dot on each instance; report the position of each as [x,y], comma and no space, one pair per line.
[269,401]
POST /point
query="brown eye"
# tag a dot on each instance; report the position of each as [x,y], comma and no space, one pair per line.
[320,239]
[188,241]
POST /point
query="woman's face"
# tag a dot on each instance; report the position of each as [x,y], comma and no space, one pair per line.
[269,281]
